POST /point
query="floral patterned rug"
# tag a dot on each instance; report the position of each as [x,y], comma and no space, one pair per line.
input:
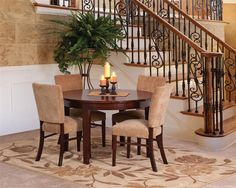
[185,169]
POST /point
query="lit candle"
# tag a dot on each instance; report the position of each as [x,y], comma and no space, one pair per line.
[113,77]
[107,69]
[102,81]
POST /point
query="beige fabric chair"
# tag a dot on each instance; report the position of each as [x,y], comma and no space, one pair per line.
[145,83]
[71,82]
[148,129]
[50,106]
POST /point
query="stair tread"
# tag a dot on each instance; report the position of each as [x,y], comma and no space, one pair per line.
[140,50]
[141,64]
[192,112]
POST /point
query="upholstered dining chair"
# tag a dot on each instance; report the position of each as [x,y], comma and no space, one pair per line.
[148,129]
[50,106]
[145,83]
[70,82]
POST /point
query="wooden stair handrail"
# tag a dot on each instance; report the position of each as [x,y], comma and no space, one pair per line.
[200,26]
[174,30]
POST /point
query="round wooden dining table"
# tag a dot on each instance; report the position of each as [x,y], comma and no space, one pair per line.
[82,99]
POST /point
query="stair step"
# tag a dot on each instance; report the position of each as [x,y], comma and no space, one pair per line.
[141,64]
[229,127]
[179,97]
[192,112]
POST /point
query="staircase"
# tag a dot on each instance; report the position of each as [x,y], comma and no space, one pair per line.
[164,38]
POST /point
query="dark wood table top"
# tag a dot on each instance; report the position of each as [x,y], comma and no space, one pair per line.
[82,96]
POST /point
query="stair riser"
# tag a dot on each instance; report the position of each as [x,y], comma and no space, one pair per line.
[142,43]
[135,31]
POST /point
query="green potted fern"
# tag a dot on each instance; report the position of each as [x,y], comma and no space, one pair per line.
[83,38]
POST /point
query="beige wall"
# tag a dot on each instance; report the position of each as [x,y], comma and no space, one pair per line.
[23,35]
[229,15]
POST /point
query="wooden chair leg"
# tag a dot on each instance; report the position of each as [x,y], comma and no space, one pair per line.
[128,146]
[151,151]
[62,144]
[61,150]
[159,139]
[122,141]
[114,146]
[122,138]
[58,141]
[139,146]
[147,148]
[103,133]
[41,143]
[66,142]
[79,136]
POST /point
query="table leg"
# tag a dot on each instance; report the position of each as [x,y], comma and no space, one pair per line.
[86,135]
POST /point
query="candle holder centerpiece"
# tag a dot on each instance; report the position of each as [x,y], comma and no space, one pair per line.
[113,81]
[103,90]
[113,88]
[107,84]
[102,84]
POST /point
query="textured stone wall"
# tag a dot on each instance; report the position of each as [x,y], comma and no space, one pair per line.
[229,15]
[24,38]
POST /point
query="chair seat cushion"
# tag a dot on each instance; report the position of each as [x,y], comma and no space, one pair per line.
[71,124]
[95,115]
[131,114]
[134,128]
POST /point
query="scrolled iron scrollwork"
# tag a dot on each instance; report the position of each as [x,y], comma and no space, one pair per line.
[157,60]
[176,3]
[163,13]
[148,3]
[230,74]
[195,37]
[88,5]
[198,6]
[159,35]
[195,67]
[120,8]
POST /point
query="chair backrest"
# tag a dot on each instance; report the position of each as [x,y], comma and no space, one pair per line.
[49,102]
[69,82]
[159,104]
[149,83]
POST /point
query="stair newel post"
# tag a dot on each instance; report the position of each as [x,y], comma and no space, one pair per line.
[208,111]
[212,80]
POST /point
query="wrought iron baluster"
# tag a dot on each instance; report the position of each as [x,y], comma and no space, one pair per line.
[214,98]
[139,35]
[193,4]
[221,89]
[164,51]
[150,46]
[109,5]
[132,32]
[144,39]
[188,78]
[97,6]
[183,60]
[176,66]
